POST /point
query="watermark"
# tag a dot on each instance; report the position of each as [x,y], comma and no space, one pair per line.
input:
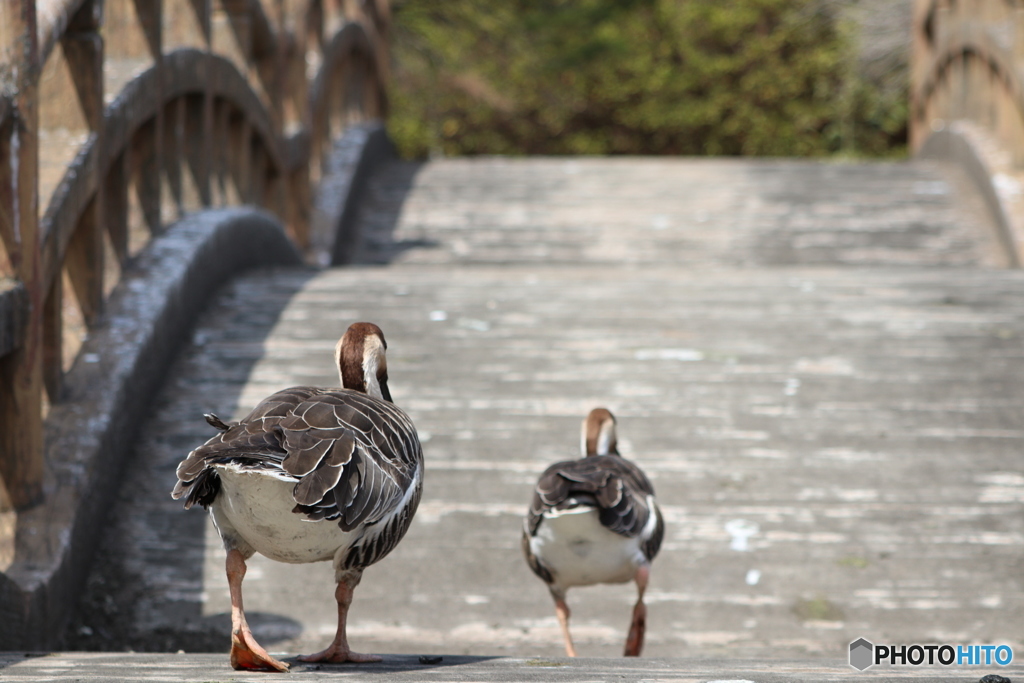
[864,654]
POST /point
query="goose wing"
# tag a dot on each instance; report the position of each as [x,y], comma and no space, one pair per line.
[253,443]
[619,490]
[356,457]
[352,457]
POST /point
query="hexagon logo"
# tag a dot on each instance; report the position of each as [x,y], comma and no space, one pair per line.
[862,654]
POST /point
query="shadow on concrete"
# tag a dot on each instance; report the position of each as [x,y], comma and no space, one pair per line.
[392,664]
[128,583]
[380,212]
[411,666]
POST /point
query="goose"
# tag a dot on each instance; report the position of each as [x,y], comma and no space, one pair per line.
[594,520]
[310,475]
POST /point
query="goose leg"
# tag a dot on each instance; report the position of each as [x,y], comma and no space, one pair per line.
[562,611]
[246,653]
[338,651]
[635,639]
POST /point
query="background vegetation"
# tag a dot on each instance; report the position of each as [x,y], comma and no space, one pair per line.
[752,77]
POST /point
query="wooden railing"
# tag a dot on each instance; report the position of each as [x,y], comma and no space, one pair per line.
[967,99]
[119,117]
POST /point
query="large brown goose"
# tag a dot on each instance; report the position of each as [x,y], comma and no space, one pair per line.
[594,520]
[310,475]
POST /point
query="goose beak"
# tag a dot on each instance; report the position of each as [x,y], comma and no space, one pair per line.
[384,390]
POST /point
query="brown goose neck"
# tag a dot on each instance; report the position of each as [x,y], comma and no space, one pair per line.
[599,433]
[350,361]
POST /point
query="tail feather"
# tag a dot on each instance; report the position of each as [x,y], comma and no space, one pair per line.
[216,422]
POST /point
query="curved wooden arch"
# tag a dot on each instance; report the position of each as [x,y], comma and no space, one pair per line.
[967,101]
[352,40]
[948,42]
[239,80]
[52,20]
[182,73]
[971,41]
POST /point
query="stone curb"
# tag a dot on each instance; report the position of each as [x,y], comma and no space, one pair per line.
[967,146]
[336,204]
[106,396]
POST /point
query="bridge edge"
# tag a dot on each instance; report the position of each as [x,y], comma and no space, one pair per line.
[965,145]
[108,393]
[347,168]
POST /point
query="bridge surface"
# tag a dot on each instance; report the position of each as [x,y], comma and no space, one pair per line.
[815,362]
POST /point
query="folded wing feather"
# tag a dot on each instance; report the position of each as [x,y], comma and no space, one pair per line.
[343,449]
[617,487]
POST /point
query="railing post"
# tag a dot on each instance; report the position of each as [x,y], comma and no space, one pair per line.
[172,157]
[83,47]
[220,158]
[21,376]
[53,339]
[197,145]
[114,205]
[147,152]
[146,164]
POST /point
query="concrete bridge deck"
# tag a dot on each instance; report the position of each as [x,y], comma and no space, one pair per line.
[823,359]
[204,668]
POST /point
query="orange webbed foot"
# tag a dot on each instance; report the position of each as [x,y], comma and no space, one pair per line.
[247,654]
[339,655]
[635,640]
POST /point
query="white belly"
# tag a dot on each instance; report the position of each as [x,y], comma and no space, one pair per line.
[580,552]
[257,509]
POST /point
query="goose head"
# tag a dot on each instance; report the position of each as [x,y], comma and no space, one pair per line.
[361,360]
[598,434]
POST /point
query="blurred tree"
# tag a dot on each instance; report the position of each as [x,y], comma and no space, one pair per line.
[754,77]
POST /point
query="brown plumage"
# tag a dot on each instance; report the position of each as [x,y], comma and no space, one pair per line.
[614,486]
[594,520]
[311,474]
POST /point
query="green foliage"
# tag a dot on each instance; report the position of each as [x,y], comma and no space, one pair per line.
[753,77]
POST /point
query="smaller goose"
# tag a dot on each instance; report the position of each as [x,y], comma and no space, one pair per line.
[311,475]
[594,520]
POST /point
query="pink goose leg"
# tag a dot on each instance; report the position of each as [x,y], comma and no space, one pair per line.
[563,613]
[635,640]
[246,653]
[338,651]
